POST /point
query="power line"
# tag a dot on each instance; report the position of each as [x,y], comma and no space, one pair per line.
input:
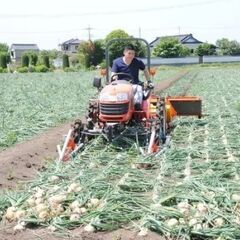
[152,9]
[140,29]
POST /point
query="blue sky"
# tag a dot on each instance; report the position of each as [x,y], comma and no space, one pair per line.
[50,22]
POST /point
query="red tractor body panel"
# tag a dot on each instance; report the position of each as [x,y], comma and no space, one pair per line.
[116,102]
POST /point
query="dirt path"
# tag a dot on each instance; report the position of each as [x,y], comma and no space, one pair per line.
[21,162]
[166,83]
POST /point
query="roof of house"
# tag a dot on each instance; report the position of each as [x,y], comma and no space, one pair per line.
[71,41]
[182,38]
[20,46]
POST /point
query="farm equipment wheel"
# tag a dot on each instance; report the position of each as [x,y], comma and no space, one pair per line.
[78,128]
[110,133]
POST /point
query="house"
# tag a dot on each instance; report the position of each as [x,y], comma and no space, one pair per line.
[186,39]
[16,50]
[70,46]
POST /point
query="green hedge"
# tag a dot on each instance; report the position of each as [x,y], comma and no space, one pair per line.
[25,60]
[33,58]
[41,68]
[22,69]
[70,69]
[65,61]
[3,70]
[3,60]
[46,62]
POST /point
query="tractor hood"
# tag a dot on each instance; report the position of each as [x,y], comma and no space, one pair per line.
[117,91]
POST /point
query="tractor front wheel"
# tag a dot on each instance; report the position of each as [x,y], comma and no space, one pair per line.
[110,133]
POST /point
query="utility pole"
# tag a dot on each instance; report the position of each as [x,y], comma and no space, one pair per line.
[89,32]
[179,30]
[139,32]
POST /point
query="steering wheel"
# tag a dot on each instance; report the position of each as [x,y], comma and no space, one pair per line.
[129,76]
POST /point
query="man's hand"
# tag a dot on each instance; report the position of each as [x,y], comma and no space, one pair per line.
[150,84]
[113,78]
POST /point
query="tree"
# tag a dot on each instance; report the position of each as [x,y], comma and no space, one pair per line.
[86,50]
[91,53]
[234,48]
[170,47]
[224,45]
[228,47]
[52,54]
[98,52]
[116,48]
[44,58]
[4,55]
[65,61]
[140,48]
[205,49]
[8,57]
[46,62]
[74,60]
[3,47]
[3,60]
[25,60]
[33,58]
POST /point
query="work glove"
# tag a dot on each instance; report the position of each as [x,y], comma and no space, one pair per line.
[150,84]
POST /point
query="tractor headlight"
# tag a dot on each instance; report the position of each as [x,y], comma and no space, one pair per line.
[122,97]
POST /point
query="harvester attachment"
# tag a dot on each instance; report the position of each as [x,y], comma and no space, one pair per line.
[73,141]
[182,106]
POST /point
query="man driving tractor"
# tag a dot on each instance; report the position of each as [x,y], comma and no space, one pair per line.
[123,107]
[129,64]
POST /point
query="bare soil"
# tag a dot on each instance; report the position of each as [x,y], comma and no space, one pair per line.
[21,162]
[77,234]
[166,83]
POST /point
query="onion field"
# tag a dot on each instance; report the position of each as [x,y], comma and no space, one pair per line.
[31,103]
[191,190]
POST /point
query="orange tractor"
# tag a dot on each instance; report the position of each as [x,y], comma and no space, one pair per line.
[113,114]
